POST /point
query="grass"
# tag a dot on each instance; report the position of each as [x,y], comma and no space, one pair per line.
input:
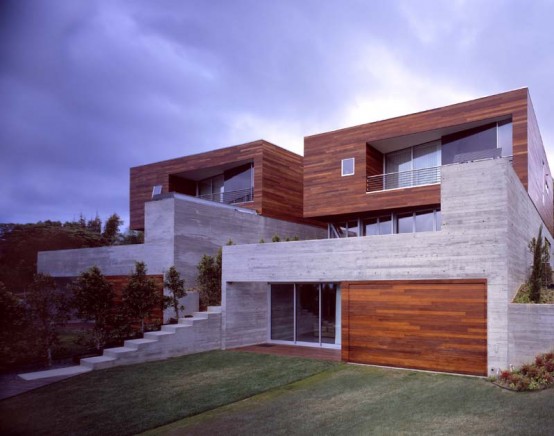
[131,399]
[365,400]
[236,393]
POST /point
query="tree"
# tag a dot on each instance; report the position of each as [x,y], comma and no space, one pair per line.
[111,229]
[94,301]
[95,225]
[140,296]
[209,278]
[13,327]
[540,270]
[49,310]
[176,287]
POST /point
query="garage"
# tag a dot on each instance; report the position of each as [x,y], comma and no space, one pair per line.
[436,325]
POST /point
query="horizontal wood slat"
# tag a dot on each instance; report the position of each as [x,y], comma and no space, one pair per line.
[432,325]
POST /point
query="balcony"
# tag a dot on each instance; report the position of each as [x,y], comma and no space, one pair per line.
[404,179]
[230,197]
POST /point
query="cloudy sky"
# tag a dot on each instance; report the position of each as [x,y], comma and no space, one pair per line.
[91,88]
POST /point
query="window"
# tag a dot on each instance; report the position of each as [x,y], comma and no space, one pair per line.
[235,185]
[377,226]
[413,166]
[156,190]
[347,167]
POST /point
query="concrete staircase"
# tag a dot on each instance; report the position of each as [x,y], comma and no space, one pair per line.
[200,333]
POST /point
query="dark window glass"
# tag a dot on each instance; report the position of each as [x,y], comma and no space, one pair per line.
[424,221]
[282,312]
[439,219]
[353,230]
[328,313]
[238,184]
[405,223]
[385,225]
[307,313]
[371,227]
[505,137]
[473,144]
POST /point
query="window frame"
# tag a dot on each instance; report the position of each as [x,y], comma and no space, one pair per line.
[343,161]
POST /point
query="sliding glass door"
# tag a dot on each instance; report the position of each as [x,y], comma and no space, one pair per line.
[306,314]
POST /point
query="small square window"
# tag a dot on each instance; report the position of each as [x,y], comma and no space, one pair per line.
[156,190]
[347,167]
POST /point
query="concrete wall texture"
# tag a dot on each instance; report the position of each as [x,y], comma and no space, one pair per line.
[179,230]
[488,220]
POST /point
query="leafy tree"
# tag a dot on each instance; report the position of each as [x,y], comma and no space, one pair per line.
[540,270]
[111,229]
[94,301]
[48,309]
[176,287]
[209,278]
[131,237]
[140,296]
[13,326]
[95,225]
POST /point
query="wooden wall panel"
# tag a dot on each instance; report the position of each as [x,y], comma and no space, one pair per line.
[323,183]
[438,325]
[144,177]
[539,171]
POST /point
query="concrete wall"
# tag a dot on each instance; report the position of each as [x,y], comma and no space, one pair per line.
[179,230]
[476,241]
[531,331]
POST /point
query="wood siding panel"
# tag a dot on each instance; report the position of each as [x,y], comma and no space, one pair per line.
[323,183]
[437,325]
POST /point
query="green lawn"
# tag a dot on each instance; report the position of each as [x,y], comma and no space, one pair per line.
[352,400]
[131,399]
[201,394]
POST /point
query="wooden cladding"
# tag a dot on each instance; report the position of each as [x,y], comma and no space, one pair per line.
[324,186]
[437,325]
[278,179]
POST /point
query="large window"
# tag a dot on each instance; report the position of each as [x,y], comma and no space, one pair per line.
[484,142]
[306,313]
[232,186]
[405,222]
[413,166]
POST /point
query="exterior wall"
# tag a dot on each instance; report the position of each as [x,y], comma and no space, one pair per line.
[474,243]
[323,153]
[179,231]
[531,331]
[278,179]
[246,314]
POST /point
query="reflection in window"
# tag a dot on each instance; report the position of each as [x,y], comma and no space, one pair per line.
[425,221]
[413,166]
[405,223]
[347,167]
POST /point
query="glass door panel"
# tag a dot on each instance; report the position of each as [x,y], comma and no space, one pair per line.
[282,312]
[307,313]
[328,313]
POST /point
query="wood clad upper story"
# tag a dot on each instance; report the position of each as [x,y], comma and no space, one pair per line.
[328,194]
[275,191]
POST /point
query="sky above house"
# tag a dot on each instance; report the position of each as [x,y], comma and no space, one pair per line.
[91,88]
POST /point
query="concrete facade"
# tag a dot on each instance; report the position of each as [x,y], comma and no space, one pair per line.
[179,231]
[487,222]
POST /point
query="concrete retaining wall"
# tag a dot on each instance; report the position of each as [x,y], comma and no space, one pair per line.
[531,331]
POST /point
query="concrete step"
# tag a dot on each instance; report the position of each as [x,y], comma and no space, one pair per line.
[174,328]
[160,335]
[118,351]
[185,321]
[214,309]
[199,315]
[59,372]
[138,343]
[98,362]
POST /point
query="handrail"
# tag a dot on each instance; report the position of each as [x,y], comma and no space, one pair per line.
[403,179]
[230,197]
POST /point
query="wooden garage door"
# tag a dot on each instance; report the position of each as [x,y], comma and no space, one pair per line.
[438,325]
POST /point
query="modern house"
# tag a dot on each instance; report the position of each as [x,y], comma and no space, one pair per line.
[414,234]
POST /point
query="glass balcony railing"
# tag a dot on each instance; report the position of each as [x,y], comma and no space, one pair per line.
[230,197]
[404,179]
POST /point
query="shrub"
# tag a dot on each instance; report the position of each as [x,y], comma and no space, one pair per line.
[530,376]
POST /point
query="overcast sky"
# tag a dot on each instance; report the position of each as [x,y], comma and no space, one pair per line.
[91,88]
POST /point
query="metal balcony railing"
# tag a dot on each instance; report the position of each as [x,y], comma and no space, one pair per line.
[404,179]
[230,197]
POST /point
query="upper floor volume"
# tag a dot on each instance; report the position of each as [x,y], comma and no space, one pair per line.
[364,173]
